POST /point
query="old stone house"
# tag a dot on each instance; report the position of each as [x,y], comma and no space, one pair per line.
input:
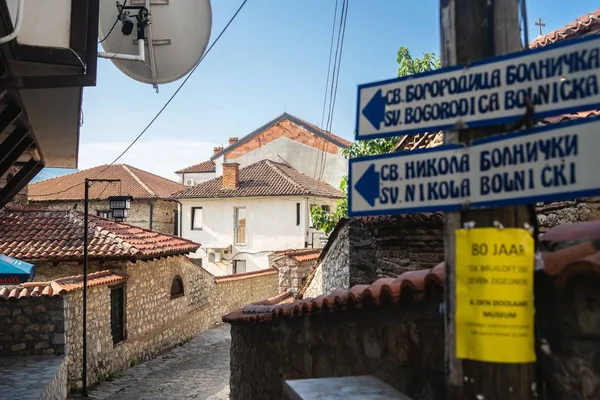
[152,206]
[145,296]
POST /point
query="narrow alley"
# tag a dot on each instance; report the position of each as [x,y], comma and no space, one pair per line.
[199,369]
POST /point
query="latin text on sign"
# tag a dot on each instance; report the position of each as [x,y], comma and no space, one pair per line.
[559,78]
[548,163]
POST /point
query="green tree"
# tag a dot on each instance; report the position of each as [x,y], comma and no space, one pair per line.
[407,65]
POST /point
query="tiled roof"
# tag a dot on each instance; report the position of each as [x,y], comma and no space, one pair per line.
[300,254]
[264,178]
[585,25]
[62,285]
[58,236]
[245,275]
[204,166]
[562,264]
[338,141]
[134,182]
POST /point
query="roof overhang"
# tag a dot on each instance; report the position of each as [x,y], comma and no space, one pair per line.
[42,75]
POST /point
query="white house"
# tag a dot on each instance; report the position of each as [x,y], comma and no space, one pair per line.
[246,213]
[286,139]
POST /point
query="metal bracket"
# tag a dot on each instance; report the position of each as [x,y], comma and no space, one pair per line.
[526,120]
[469,225]
[498,224]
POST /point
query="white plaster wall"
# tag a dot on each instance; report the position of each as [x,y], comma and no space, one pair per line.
[300,156]
[45,23]
[271,225]
[219,166]
[196,176]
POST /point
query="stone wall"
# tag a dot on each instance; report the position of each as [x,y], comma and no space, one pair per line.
[566,212]
[163,212]
[402,345]
[155,322]
[57,388]
[33,325]
[363,250]
[20,199]
[292,273]
[46,271]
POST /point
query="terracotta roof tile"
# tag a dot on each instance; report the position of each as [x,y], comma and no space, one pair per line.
[264,178]
[204,166]
[245,275]
[300,254]
[62,285]
[582,26]
[58,235]
[134,182]
[563,264]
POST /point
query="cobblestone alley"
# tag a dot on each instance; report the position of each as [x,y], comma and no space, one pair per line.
[197,370]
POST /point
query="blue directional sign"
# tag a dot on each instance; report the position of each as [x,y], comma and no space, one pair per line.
[550,163]
[559,78]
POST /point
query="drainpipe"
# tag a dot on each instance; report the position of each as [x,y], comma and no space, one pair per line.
[151,204]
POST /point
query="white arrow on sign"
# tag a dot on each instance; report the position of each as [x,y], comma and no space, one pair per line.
[559,78]
[550,163]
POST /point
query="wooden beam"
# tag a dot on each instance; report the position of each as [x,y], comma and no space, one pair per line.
[472,30]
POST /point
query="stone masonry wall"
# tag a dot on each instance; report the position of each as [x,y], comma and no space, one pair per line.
[566,212]
[402,345]
[364,250]
[33,325]
[46,271]
[292,273]
[155,322]
[163,213]
[390,246]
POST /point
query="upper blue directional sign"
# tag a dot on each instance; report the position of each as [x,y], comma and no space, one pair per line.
[558,78]
[551,163]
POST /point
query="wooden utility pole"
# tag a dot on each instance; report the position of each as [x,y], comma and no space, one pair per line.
[472,30]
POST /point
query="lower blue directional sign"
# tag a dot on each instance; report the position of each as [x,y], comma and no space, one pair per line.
[550,163]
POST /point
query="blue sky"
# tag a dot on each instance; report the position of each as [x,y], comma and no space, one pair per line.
[272,59]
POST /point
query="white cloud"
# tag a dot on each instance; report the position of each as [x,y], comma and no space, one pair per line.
[161,157]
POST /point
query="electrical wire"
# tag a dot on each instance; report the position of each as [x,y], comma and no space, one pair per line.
[333,92]
[321,153]
[115,24]
[164,106]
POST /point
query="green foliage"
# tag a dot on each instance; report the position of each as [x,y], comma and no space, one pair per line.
[408,65]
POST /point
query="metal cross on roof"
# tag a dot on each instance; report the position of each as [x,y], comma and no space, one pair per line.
[540,25]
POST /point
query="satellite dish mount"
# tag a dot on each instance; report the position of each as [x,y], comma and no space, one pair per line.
[166,38]
[127,25]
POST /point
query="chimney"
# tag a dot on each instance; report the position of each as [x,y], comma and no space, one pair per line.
[232,140]
[231,175]
[217,149]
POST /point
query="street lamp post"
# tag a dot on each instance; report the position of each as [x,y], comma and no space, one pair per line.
[86,198]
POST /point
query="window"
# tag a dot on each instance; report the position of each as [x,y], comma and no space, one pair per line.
[177,287]
[239,266]
[240,225]
[105,214]
[312,207]
[297,214]
[196,218]
[117,314]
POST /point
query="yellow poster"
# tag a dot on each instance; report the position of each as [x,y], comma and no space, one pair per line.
[494,295]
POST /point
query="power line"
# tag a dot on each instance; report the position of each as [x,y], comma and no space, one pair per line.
[333,92]
[321,153]
[163,107]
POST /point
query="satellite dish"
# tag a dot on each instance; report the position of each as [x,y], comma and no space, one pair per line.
[176,37]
